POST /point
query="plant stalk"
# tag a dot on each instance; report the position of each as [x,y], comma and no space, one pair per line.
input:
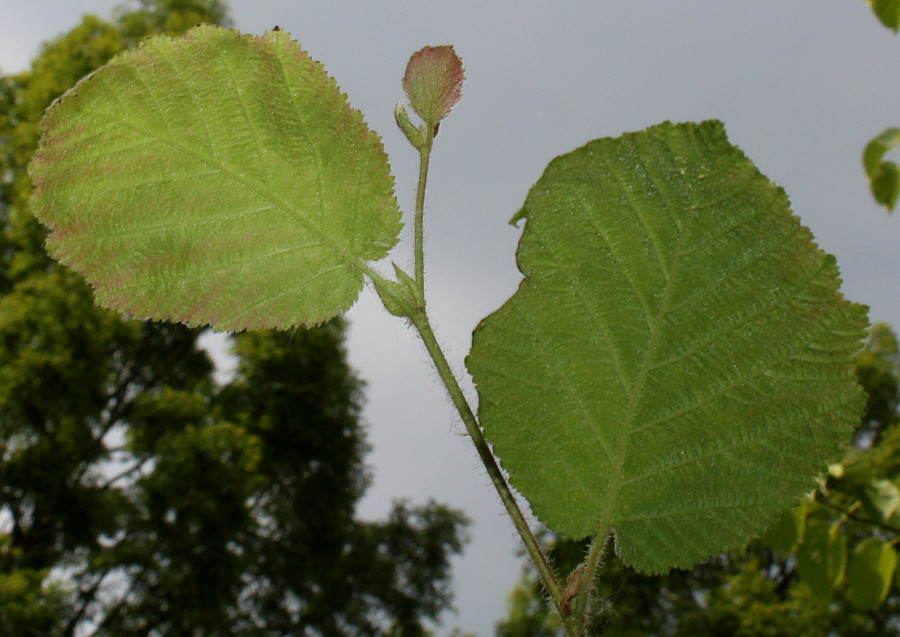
[422,325]
[582,614]
[419,219]
[419,318]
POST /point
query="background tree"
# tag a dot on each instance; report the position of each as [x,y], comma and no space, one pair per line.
[138,496]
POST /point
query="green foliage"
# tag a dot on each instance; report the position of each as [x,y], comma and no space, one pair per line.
[271,494]
[877,368]
[748,594]
[869,573]
[61,63]
[527,613]
[269,227]
[171,17]
[140,497]
[652,382]
[749,604]
[30,602]
[884,176]
[888,11]
[822,557]
[787,533]
[674,369]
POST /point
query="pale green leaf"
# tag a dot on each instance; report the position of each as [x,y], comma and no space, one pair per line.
[869,573]
[884,176]
[215,178]
[678,362]
[822,558]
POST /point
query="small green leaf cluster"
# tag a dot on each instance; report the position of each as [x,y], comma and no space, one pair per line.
[825,562]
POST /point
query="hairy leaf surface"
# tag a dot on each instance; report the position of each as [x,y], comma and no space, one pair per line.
[215,178]
[678,361]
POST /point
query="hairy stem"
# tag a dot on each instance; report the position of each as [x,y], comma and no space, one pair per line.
[419,318]
[591,568]
[422,325]
[418,223]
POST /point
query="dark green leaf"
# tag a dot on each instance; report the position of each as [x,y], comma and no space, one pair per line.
[678,363]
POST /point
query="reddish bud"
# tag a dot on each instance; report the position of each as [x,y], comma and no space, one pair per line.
[433,82]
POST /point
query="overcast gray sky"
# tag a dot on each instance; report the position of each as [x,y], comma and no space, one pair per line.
[800,85]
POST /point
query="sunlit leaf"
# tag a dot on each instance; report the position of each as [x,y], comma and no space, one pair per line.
[215,178]
[678,362]
[869,573]
[822,557]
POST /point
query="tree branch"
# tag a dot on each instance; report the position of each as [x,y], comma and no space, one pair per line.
[824,499]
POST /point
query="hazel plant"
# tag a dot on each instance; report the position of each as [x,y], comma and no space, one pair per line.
[673,371]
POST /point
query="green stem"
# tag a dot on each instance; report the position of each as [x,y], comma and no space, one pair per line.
[419,319]
[422,325]
[418,223]
[592,564]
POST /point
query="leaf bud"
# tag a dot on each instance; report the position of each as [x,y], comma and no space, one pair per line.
[396,298]
[410,284]
[413,134]
[433,82]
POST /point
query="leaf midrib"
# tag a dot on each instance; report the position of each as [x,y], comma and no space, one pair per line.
[615,484]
